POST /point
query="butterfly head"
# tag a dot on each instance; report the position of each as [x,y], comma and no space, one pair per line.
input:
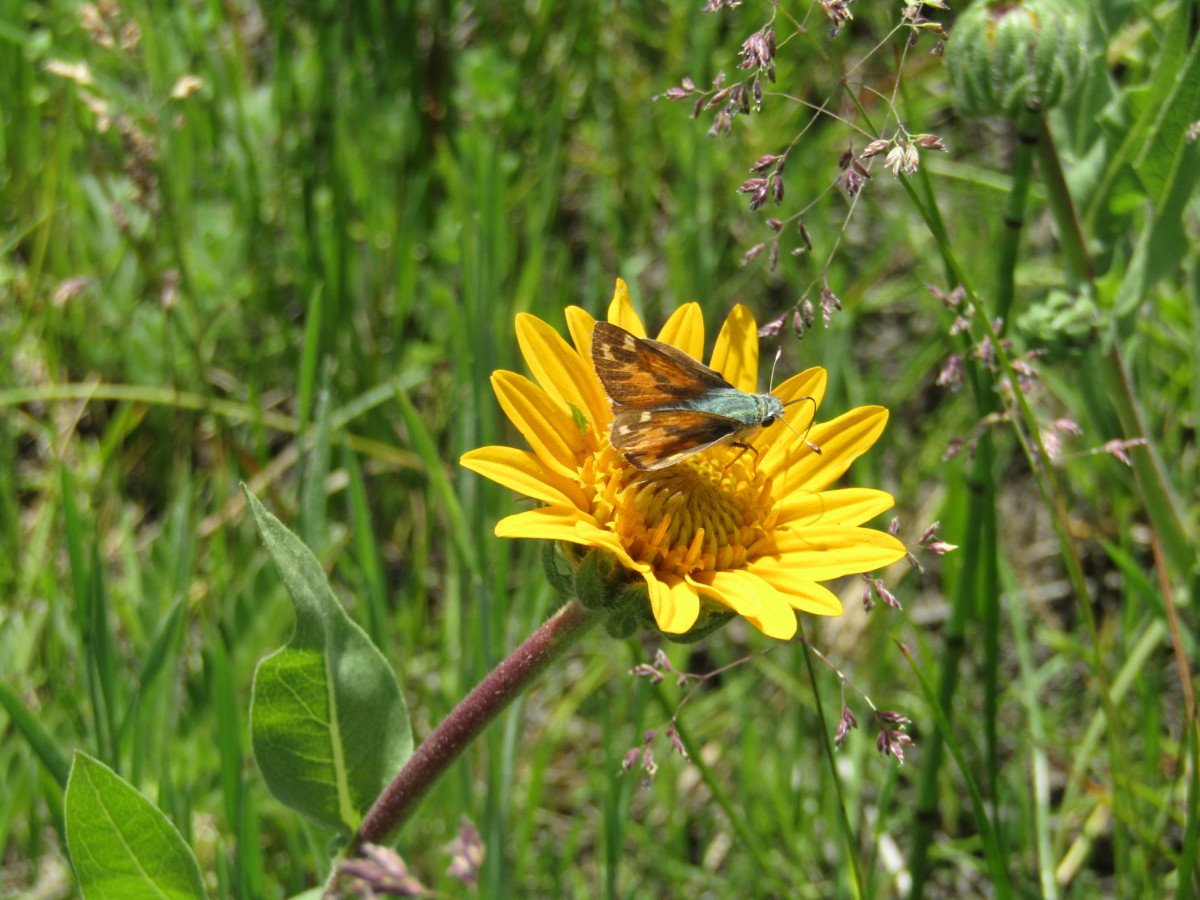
[772,411]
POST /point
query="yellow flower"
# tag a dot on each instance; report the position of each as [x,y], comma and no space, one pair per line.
[726,530]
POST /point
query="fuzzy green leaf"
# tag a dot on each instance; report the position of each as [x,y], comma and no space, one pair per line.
[121,845]
[1167,169]
[328,723]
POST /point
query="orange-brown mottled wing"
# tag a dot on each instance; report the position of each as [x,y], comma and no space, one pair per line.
[653,439]
[640,373]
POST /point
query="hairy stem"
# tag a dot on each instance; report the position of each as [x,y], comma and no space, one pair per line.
[1028,133]
[467,720]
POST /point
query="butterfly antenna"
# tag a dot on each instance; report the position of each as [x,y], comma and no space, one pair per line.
[804,437]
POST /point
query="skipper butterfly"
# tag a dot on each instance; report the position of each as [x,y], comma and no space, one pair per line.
[667,406]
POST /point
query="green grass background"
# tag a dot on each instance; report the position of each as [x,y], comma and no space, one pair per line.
[306,285]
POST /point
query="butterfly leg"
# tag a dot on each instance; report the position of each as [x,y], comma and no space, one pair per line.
[744,447]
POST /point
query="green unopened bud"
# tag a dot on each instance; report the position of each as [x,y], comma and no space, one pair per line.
[559,568]
[1008,56]
[600,581]
[632,614]
[1062,322]
[602,584]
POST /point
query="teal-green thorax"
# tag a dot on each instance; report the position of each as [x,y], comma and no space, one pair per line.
[749,410]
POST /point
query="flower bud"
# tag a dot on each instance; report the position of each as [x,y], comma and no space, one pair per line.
[627,619]
[1007,56]
[559,568]
[1064,322]
[600,581]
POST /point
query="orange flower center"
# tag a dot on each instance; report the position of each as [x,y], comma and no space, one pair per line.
[701,514]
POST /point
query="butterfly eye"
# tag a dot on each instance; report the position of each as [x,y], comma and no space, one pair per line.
[768,421]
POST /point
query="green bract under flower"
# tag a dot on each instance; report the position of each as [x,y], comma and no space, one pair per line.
[749,532]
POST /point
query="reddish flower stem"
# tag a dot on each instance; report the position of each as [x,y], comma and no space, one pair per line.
[467,720]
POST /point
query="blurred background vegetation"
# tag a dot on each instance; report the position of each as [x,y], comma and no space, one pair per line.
[284,244]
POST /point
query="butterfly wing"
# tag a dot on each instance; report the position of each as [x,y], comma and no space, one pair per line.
[640,373]
[653,439]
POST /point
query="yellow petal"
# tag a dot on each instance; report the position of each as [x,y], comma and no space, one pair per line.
[581,325]
[809,383]
[754,599]
[685,330]
[804,595]
[621,312]
[841,440]
[736,353]
[818,554]
[675,603]
[550,523]
[548,427]
[561,373]
[524,473]
[848,506]
[558,523]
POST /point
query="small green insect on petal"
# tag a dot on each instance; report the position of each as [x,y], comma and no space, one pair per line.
[581,421]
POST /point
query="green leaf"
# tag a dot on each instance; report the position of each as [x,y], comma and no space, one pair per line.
[310,356]
[1166,166]
[370,559]
[40,740]
[1174,109]
[121,845]
[313,500]
[1128,121]
[328,723]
